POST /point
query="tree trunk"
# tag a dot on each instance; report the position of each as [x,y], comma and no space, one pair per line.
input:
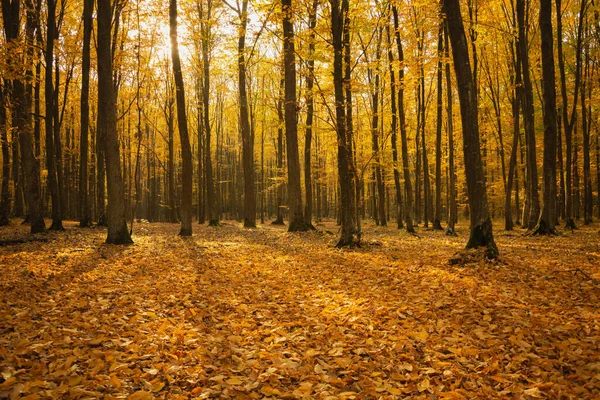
[84,202]
[409,216]
[528,117]
[296,209]
[5,189]
[547,218]
[310,104]
[107,130]
[481,224]
[211,209]
[51,112]
[438,136]
[346,171]
[394,127]
[452,208]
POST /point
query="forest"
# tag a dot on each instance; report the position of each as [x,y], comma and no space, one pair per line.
[333,199]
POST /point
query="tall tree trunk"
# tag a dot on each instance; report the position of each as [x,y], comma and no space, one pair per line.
[84,202]
[512,163]
[51,112]
[107,130]
[5,189]
[184,137]
[310,105]
[247,140]
[409,216]
[452,208]
[346,171]
[394,127]
[528,117]
[297,222]
[547,218]
[481,225]
[211,209]
[279,156]
[438,135]
[588,202]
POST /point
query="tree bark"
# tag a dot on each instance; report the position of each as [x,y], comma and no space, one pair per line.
[547,218]
[84,202]
[310,105]
[438,136]
[107,130]
[481,225]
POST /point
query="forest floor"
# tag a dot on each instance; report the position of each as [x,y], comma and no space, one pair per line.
[235,313]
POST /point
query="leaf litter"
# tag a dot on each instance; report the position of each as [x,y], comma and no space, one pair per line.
[262,313]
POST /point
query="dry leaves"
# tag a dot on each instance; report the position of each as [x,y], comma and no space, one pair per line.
[247,314]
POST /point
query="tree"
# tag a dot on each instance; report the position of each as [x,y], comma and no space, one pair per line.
[249,213]
[310,106]
[21,120]
[437,224]
[532,210]
[297,222]
[107,129]
[5,189]
[53,183]
[84,202]
[409,216]
[481,224]
[211,207]
[346,171]
[186,148]
[547,218]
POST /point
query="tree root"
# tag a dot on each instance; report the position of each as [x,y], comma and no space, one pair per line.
[14,242]
[578,270]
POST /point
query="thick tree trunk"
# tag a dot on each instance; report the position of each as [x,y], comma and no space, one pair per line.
[296,209]
[547,218]
[339,26]
[107,130]
[481,224]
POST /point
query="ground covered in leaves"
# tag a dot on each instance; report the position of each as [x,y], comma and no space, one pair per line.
[245,314]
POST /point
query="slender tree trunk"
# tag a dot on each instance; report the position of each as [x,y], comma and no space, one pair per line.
[394,127]
[310,105]
[84,202]
[409,216]
[279,157]
[547,218]
[211,209]
[5,194]
[481,224]
[588,202]
[452,208]
[107,130]
[528,116]
[51,112]
[438,135]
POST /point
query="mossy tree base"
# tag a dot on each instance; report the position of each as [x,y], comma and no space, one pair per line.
[481,236]
[249,224]
[86,223]
[214,222]
[437,225]
[278,221]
